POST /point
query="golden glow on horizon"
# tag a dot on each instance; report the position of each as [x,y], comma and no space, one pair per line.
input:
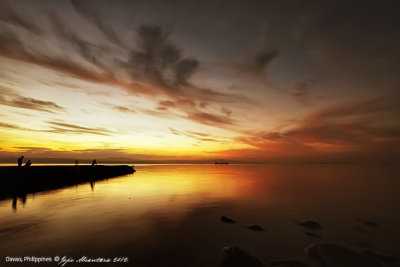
[93,106]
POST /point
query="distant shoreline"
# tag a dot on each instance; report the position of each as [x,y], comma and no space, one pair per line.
[37,163]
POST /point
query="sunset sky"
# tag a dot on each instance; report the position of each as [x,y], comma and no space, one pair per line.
[246,81]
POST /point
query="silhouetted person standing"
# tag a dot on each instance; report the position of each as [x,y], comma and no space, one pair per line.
[94,163]
[28,163]
[92,183]
[20,161]
[76,165]
[14,204]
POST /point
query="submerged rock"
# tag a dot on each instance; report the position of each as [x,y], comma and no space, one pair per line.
[380,255]
[363,229]
[235,257]
[311,225]
[227,220]
[333,255]
[256,228]
[368,223]
[288,263]
[313,235]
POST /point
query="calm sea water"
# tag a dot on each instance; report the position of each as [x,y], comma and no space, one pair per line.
[169,215]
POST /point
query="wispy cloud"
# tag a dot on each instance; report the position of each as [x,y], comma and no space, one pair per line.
[122,109]
[86,10]
[12,17]
[9,98]
[198,133]
[154,67]
[43,154]
[182,74]
[300,92]
[347,127]
[87,50]
[210,119]
[61,127]
[202,137]
[260,62]
[10,126]
[33,149]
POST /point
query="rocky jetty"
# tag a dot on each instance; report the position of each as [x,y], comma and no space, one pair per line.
[24,180]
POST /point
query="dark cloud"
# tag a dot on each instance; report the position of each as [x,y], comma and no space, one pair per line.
[262,60]
[271,136]
[356,44]
[159,61]
[256,68]
[300,92]
[184,70]
[10,16]
[12,47]
[157,66]
[210,119]
[85,49]
[15,47]
[87,12]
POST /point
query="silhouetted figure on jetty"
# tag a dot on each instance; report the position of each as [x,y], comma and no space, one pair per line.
[28,163]
[23,199]
[92,183]
[76,165]
[20,161]
[94,163]
[14,203]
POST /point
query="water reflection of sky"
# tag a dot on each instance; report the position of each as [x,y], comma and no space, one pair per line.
[165,208]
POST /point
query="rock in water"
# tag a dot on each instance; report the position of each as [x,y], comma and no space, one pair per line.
[288,263]
[334,255]
[313,235]
[235,257]
[311,225]
[368,223]
[380,255]
[256,228]
[227,220]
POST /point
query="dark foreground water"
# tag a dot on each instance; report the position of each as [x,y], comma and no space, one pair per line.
[169,215]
